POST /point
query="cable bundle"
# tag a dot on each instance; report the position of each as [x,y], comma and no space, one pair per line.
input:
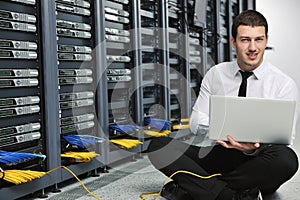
[163,133]
[158,124]
[180,126]
[126,143]
[82,141]
[13,158]
[20,176]
[123,128]
[185,120]
[80,156]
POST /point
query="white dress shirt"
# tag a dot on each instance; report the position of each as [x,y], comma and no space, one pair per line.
[225,79]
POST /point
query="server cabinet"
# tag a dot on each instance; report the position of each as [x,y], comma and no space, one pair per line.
[152,65]
[120,71]
[152,58]
[195,52]
[218,30]
[77,70]
[176,60]
[212,36]
[21,77]
[28,90]
[179,64]
[22,121]
[197,62]
[223,31]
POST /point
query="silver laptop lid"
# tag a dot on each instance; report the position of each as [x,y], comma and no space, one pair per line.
[251,119]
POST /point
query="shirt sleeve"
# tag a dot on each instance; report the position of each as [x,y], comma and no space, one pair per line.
[199,119]
[290,91]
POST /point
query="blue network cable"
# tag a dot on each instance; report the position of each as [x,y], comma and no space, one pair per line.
[9,158]
[159,124]
[82,141]
[123,128]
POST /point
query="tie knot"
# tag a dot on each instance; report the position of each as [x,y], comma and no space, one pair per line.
[245,75]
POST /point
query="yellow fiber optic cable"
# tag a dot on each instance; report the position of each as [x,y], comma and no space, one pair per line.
[155,195]
[157,134]
[127,143]
[81,183]
[130,143]
[181,126]
[21,176]
[82,156]
[184,120]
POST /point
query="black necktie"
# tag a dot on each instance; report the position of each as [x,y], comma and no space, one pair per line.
[243,86]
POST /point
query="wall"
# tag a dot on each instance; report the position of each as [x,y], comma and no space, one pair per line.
[284,28]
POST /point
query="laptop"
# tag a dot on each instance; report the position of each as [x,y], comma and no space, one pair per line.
[249,119]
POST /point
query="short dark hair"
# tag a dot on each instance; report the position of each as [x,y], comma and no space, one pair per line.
[248,18]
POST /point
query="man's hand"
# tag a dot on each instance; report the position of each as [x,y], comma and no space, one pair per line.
[242,146]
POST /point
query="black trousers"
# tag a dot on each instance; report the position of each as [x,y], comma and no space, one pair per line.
[268,170]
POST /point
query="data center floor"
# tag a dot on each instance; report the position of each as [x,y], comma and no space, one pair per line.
[127,180]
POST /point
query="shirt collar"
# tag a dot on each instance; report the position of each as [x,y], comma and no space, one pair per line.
[236,69]
[258,72]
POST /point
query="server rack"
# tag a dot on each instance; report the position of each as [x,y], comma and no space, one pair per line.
[233,10]
[223,30]
[31,83]
[152,64]
[77,81]
[178,30]
[76,90]
[98,85]
[212,36]
[176,59]
[120,73]
[217,31]
[21,85]
[197,60]
[196,53]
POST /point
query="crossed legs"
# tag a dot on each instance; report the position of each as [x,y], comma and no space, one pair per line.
[273,166]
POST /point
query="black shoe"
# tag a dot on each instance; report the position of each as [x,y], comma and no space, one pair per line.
[172,191]
[250,194]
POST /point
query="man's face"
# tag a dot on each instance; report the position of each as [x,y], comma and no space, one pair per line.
[250,45]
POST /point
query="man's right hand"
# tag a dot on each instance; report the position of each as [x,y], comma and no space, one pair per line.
[241,146]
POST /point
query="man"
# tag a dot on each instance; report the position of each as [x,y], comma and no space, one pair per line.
[248,169]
